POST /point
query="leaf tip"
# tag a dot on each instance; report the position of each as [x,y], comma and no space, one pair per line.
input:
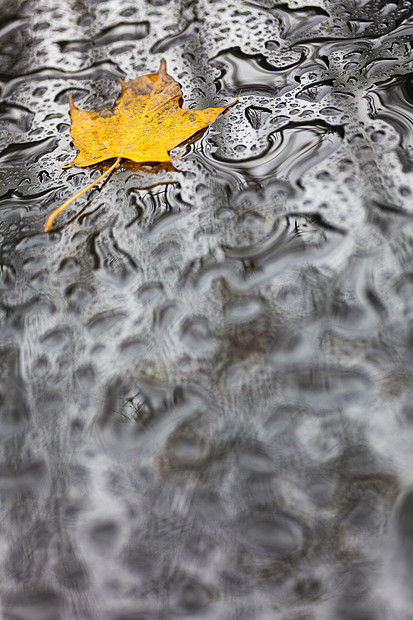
[162,68]
[71,103]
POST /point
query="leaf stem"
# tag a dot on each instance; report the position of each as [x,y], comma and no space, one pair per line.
[50,220]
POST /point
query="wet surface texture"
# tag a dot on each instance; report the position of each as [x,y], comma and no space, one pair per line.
[206,384]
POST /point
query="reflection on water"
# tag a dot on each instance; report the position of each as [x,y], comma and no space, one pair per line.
[205,374]
[291,151]
[392,102]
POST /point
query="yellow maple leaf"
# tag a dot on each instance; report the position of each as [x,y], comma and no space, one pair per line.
[144,125]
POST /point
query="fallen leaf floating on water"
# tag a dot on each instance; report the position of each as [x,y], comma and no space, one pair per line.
[144,125]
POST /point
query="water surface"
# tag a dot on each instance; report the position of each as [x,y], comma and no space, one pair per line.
[205,383]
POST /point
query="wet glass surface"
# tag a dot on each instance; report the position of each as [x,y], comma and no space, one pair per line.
[206,379]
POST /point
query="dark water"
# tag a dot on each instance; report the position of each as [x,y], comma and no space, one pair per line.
[206,386]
